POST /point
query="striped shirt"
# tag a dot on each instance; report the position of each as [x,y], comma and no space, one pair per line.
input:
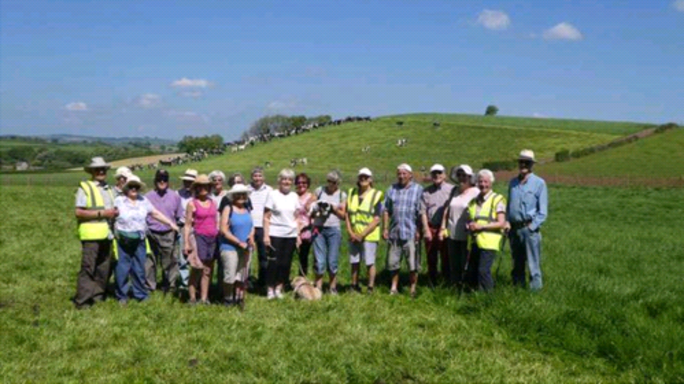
[403,204]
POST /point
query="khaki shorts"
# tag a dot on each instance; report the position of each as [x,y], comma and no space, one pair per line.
[235,265]
[365,250]
[399,248]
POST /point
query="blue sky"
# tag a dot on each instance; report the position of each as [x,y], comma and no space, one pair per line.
[174,68]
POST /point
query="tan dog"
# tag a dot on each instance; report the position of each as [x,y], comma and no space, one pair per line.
[304,290]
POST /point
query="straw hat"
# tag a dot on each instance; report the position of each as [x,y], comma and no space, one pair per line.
[201,180]
[528,155]
[190,175]
[239,188]
[97,162]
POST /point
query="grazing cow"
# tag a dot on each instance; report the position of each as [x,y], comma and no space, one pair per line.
[400,123]
[242,147]
[267,164]
[366,149]
[402,142]
[435,124]
[303,161]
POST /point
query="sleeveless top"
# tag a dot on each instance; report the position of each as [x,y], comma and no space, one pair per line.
[240,225]
[303,216]
[205,218]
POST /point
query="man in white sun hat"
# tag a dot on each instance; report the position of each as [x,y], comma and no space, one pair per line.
[433,202]
[185,193]
[402,219]
[527,210]
[94,214]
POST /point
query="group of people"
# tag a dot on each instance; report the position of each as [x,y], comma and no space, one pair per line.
[463,228]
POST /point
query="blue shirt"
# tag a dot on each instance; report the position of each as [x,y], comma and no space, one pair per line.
[528,201]
[403,204]
[240,225]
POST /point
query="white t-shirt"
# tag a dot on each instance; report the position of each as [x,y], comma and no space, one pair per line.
[458,206]
[283,208]
[132,216]
[258,199]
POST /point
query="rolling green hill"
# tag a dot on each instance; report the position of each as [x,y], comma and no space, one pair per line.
[658,156]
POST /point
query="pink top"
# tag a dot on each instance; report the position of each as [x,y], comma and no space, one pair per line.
[205,218]
[303,215]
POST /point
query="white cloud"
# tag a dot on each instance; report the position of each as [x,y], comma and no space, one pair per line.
[495,20]
[538,115]
[678,5]
[76,106]
[281,105]
[563,31]
[190,83]
[148,100]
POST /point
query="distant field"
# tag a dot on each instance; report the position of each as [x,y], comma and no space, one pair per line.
[138,160]
[611,311]
[661,155]
[458,139]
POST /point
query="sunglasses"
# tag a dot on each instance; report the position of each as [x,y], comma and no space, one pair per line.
[435,173]
[162,181]
[525,162]
[460,174]
[332,181]
[364,177]
[240,196]
[134,188]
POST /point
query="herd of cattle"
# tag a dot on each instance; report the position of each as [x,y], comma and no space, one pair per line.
[194,157]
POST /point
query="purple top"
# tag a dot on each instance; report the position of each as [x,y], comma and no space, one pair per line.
[169,205]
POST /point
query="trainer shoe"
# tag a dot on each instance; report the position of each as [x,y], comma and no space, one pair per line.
[279,294]
[270,295]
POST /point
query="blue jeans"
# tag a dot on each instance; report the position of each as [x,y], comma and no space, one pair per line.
[327,249]
[526,249]
[131,262]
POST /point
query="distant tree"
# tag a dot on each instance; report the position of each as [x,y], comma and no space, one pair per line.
[298,121]
[162,148]
[491,110]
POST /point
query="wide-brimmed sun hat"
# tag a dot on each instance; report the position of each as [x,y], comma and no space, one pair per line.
[190,175]
[201,180]
[97,162]
[466,169]
[527,155]
[238,188]
[131,181]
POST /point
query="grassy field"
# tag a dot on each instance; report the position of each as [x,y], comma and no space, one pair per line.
[661,155]
[612,310]
[459,139]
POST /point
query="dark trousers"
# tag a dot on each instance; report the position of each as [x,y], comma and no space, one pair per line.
[437,251]
[280,260]
[261,255]
[164,248]
[132,255]
[458,257]
[94,273]
[304,250]
[480,268]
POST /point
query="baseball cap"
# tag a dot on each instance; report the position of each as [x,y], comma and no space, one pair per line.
[404,167]
[437,168]
[365,171]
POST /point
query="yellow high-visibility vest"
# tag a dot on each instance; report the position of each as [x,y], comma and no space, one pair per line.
[95,229]
[361,215]
[487,239]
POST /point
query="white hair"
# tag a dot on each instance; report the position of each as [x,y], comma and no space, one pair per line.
[485,173]
[286,174]
[214,174]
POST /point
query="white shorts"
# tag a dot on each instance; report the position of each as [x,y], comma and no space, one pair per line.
[366,250]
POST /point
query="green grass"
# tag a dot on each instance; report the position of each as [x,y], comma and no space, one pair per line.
[661,155]
[612,310]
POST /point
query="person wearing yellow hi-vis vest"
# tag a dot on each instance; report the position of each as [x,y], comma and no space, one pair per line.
[364,209]
[486,222]
[94,212]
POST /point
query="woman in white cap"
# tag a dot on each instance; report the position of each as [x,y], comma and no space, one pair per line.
[236,242]
[200,220]
[281,233]
[454,220]
[364,209]
[130,226]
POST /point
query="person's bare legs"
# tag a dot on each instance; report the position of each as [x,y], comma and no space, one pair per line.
[206,280]
[355,274]
[395,281]
[193,284]
[371,276]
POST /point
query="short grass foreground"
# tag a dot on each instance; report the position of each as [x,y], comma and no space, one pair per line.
[612,310]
